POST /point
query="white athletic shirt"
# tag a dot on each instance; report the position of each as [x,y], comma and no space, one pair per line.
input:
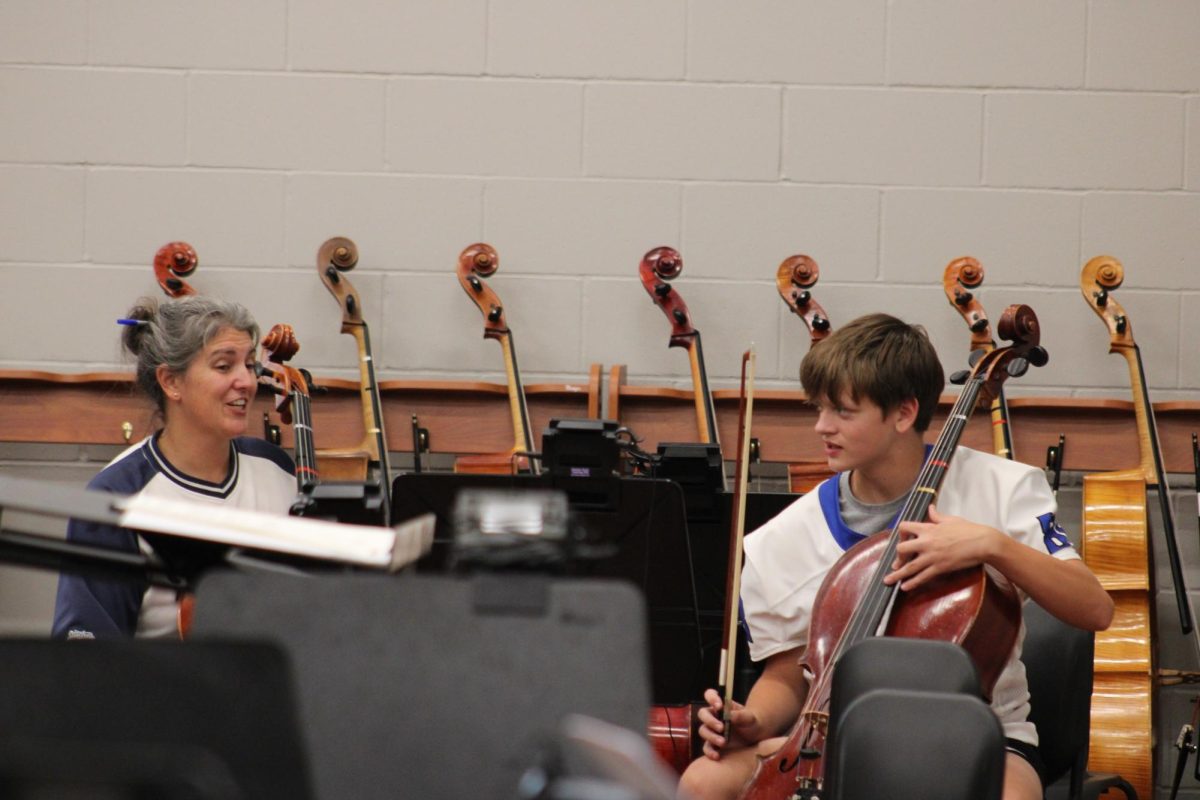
[261,478]
[787,558]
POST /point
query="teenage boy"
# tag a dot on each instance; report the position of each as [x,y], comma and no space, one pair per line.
[875,384]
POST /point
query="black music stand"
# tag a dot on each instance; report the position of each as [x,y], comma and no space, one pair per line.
[419,686]
[641,524]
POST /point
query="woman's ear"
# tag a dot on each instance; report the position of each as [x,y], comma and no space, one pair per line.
[169,381]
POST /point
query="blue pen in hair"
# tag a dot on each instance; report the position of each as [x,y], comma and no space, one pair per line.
[124,321]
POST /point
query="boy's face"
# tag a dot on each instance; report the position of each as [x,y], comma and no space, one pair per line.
[857,433]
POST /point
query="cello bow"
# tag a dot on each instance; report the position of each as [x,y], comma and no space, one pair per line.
[794,280]
[336,257]
[476,262]
[737,535]
[959,278]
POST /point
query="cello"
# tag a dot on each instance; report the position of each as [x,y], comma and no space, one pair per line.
[657,268]
[291,389]
[368,462]
[960,276]
[475,262]
[1116,546]
[794,280]
[969,607]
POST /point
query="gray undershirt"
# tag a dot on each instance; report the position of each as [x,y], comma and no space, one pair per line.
[865,518]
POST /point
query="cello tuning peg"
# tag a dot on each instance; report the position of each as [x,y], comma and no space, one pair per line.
[1017,367]
[1101,297]
[1122,322]
[979,325]
[662,289]
[962,297]
[1038,356]
[960,377]
[820,323]
[802,298]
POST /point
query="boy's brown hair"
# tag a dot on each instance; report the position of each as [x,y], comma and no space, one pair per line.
[878,357]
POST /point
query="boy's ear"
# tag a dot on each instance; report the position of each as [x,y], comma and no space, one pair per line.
[906,414]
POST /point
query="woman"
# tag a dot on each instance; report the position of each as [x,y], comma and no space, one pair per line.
[195,359]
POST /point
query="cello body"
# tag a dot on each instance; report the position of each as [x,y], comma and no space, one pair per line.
[1116,548]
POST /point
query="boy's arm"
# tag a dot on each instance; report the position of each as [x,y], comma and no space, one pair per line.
[773,705]
[1064,587]
[778,695]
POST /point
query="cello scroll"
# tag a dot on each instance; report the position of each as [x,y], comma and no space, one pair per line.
[794,278]
[173,262]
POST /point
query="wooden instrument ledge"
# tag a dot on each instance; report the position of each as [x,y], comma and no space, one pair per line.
[473,417]
[461,416]
[1101,433]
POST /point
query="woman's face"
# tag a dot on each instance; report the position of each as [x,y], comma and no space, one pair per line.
[213,395]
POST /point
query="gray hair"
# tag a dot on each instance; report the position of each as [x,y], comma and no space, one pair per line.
[171,333]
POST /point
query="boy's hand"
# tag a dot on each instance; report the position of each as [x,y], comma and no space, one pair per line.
[743,721]
[941,545]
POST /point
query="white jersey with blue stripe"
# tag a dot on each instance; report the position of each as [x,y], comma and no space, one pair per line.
[260,478]
[788,557]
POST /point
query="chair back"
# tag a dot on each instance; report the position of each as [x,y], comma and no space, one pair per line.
[1058,667]
[954,738]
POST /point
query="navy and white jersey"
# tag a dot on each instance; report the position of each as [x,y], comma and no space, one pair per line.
[788,557]
[261,478]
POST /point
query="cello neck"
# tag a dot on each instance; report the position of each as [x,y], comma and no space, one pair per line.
[522,433]
[375,442]
[706,415]
[306,453]
[1150,455]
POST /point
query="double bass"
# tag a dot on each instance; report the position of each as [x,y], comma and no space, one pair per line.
[968,607]
[794,280]
[476,262]
[1116,546]
[959,278]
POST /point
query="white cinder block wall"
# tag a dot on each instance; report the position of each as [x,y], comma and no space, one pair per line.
[882,138]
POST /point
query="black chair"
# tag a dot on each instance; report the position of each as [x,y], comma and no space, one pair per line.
[123,720]
[1058,666]
[912,745]
[897,702]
